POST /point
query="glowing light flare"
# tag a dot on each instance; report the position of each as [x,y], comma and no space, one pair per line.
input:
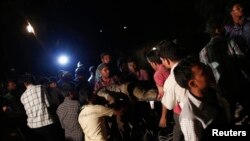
[30,28]
[63,60]
[154,48]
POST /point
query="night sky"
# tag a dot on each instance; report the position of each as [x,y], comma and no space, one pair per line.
[73,27]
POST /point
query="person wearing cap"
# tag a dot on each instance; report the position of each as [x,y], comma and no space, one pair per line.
[105,79]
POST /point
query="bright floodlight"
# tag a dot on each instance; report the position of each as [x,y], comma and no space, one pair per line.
[63,60]
[30,29]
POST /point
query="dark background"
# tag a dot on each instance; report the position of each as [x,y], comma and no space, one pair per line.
[73,27]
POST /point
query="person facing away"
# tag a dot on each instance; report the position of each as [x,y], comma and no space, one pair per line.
[36,106]
[92,119]
[161,72]
[202,107]
[68,114]
[174,96]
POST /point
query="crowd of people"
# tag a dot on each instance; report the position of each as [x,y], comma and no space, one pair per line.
[185,97]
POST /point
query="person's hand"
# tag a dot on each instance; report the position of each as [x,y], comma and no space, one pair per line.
[163,122]
[5,109]
[159,97]
[110,99]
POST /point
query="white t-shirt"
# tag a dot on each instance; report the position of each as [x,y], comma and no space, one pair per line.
[92,121]
[173,93]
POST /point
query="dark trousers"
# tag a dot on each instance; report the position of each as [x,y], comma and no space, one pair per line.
[177,133]
[47,133]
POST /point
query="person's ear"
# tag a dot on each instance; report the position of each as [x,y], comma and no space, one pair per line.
[192,84]
[153,64]
[168,61]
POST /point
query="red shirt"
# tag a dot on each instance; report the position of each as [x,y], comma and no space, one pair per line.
[160,75]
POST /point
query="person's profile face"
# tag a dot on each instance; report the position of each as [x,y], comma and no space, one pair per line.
[153,65]
[200,77]
[165,62]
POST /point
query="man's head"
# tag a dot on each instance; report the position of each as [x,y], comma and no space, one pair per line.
[28,79]
[122,64]
[69,90]
[153,58]
[193,75]
[11,85]
[235,9]
[215,26]
[170,52]
[104,70]
[105,57]
[52,82]
[132,67]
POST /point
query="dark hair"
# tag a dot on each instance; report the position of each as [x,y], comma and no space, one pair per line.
[104,54]
[231,4]
[183,71]
[43,81]
[214,23]
[67,88]
[154,56]
[131,59]
[122,60]
[28,78]
[86,95]
[170,50]
[52,79]
[5,85]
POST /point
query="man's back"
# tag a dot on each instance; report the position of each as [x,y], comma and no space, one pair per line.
[35,108]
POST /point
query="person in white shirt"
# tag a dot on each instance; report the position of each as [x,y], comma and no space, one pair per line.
[174,96]
[92,119]
[36,105]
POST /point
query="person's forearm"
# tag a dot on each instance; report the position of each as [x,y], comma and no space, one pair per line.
[164,111]
[163,120]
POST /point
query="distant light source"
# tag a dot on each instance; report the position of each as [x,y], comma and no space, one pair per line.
[63,60]
[30,28]
[100,30]
[154,48]
[125,27]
